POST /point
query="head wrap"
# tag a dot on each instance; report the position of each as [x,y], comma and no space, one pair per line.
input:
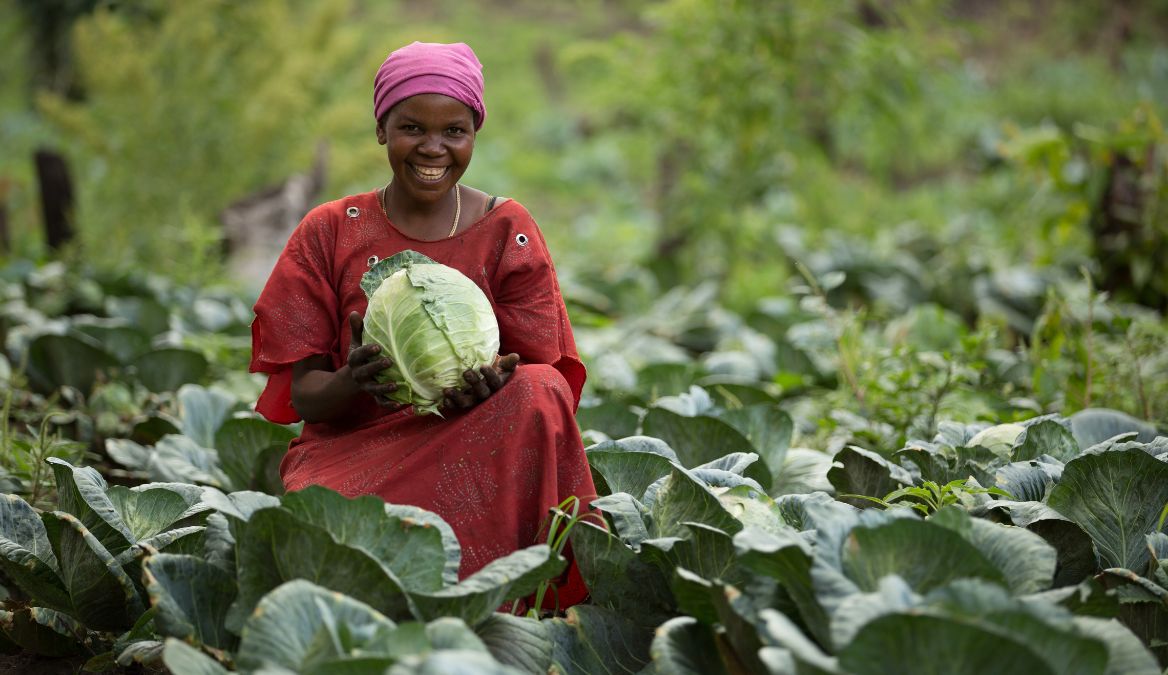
[430,68]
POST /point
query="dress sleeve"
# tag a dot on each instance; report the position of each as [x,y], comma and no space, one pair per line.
[533,321]
[296,314]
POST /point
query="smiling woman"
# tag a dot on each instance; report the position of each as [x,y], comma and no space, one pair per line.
[506,448]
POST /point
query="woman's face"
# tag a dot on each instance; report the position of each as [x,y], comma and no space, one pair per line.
[429,139]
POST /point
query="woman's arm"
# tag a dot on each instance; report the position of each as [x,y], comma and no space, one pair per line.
[321,394]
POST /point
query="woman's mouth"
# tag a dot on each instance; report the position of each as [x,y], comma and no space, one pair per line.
[430,174]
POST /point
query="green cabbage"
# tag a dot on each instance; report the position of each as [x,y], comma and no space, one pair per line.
[998,439]
[432,322]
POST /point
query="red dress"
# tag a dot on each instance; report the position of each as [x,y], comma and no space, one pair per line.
[493,471]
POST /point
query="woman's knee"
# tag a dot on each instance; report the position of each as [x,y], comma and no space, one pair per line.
[537,380]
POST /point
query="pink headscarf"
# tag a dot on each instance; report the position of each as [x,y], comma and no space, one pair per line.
[430,68]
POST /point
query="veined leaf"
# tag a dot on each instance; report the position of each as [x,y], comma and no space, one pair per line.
[684,499]
[241,442]
[413,552]
[618,579]
[926,555]
[274,546]
[81,492]
[473,599]
[862,472]
[102,594]
[43,631]
[595,641]
[26,555]
[520,643]
[686,647]
[631,464]
[191,598]
[886,644]
[203,411]
[299,624]
[1116,498]
[696,440]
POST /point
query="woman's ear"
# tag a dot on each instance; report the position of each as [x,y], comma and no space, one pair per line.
[381,137]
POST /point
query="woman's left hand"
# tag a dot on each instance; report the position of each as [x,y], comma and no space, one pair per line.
[481,384]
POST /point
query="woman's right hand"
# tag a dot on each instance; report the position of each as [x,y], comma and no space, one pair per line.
[365,363]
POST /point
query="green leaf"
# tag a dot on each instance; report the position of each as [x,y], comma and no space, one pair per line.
[1095,425]
[612,417]
[1024,559]
[683,499]
[1116,498]
[776,629]
[102,595]
[685,647]
[595,641]
[242,440]
[768,428]
[371,280]
[1046,438]
[191,598]
[473,599]
[1126,655]
[122,341]
[203,410]
[787,558]
[162,370]
[56,361]
[183,659]
[618,579]
[26,555]
[413,552]
[149,509]
[422,518]
[858,471]
[81,491]
[1076,554]
[696,440]
[43,631]
[926,555]
[630,464]
[274,546]
[803,471]
[520,643]
[630,519]
[300,623]
[886,644]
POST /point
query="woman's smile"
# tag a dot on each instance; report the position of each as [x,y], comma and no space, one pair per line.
[429,174]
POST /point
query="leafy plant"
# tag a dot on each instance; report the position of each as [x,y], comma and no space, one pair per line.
[929,497]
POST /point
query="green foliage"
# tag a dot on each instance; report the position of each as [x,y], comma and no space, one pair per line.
[187,108]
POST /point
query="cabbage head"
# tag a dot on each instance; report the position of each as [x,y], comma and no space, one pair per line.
[432,322]
[998,439]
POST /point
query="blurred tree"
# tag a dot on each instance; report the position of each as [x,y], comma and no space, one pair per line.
[50,22]
[192,106]
[740,94]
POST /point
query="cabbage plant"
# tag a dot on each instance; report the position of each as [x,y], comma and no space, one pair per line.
[432,322]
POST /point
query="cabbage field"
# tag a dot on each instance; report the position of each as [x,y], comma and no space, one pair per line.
[763,509]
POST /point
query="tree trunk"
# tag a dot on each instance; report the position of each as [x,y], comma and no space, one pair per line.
[57,204]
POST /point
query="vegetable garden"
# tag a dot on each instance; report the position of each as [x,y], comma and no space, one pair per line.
[146,526]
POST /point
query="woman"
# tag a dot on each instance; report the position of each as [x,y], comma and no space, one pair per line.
[507,448]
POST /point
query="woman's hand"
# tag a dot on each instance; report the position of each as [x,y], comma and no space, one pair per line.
[365,363]
[481,384]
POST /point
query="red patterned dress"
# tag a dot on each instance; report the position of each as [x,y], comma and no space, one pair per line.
[493,471]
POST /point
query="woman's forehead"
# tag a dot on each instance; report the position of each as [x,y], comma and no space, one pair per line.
[429,106]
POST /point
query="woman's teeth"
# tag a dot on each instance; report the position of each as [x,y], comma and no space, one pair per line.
[430,173]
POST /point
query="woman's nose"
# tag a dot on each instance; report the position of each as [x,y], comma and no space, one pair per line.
[431,145]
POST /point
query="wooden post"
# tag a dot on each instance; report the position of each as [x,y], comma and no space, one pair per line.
[57,202]
[5,235]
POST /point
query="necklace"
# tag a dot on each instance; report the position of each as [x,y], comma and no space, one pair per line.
[457,207]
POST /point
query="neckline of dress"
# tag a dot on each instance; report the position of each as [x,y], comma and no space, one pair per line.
[389,223]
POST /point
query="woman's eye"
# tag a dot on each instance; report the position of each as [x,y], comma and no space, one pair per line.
[455,131]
